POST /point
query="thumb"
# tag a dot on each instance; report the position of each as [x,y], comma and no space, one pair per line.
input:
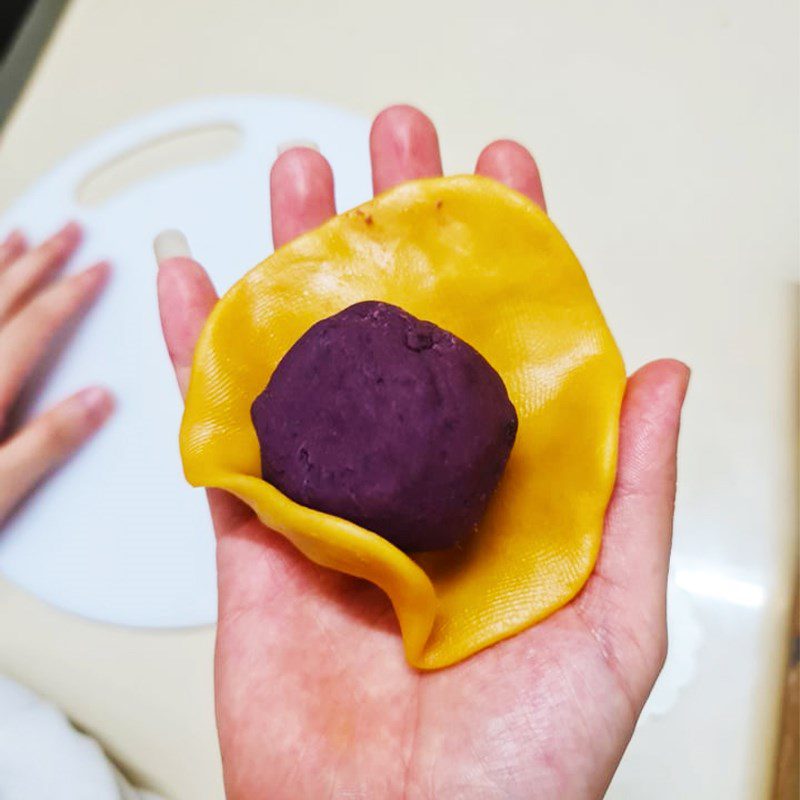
[624,602]
[638,531]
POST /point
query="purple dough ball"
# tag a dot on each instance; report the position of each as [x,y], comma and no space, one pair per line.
[390,422]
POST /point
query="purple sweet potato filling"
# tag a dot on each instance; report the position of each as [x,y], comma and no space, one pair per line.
[388,421]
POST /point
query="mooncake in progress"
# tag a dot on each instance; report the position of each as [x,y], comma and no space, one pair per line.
[481,262]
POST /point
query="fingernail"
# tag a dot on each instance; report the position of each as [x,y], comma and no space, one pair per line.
[99,271]
[97,402]
[291,144]
[71,233]
[15,240]
[171,244]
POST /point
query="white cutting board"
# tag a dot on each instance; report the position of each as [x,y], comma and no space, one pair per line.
[118,535]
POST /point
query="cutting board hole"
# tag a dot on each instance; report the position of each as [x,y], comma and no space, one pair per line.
[178,149]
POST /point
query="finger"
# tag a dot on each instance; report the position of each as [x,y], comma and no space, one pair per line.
[301,193]
[185,299]
[511,164]
[24,340]
[627,592]
[47,441]
[637,541]
[35,267]
[403,145]
[12,248]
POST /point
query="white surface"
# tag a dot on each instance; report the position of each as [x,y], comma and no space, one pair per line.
[667,135]
[42,757]
[120,536]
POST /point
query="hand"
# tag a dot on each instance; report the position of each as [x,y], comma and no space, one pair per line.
[314,697]
[34,310]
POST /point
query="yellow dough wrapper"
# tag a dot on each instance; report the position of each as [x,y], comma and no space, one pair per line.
[485,263]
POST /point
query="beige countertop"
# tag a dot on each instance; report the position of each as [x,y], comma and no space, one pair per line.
[667,136]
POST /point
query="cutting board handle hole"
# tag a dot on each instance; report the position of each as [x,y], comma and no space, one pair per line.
[179,148]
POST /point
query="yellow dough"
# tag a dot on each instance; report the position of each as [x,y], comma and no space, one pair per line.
[485,263]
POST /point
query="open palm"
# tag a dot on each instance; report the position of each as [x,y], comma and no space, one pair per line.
[314,697]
